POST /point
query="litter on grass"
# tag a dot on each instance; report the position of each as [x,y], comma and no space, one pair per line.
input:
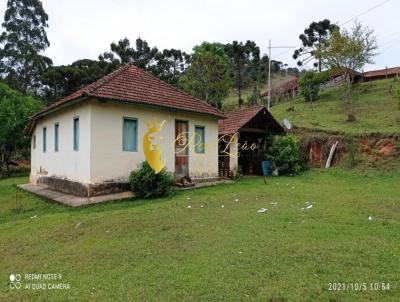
[189,206]
[262,210]
[222,206]
[33,217]
[309,206]
[236,199]
[370,218]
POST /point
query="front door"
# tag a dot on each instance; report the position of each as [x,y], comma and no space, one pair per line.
[181,149]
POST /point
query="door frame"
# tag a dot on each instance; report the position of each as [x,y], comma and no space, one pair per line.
[188,148]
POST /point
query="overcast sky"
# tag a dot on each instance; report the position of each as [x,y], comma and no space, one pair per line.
[85,28]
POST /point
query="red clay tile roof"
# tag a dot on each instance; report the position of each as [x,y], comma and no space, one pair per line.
[382,72]
[132,84]
[238,118]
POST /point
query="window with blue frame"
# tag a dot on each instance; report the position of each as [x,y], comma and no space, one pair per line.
[129,134]
[76,133]
[44,139]
[199,139]
[56,136]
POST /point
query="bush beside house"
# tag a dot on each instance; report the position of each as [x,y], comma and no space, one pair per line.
[147,184]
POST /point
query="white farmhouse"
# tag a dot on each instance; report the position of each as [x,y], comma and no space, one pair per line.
[87,143]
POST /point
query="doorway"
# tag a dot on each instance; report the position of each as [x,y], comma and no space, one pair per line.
[181,149]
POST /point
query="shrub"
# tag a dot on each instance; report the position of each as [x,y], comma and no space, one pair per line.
[398,98]
[285,155]
[309,84]
[147,184]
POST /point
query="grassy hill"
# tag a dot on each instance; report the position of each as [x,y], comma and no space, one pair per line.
[376,110]
[231,100]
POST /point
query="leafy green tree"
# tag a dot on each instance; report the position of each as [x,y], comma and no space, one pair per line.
[284,153]
[245,64]
[348,51]
[312,39]
[15,110]
[22,42]
[309,84]
[208,76]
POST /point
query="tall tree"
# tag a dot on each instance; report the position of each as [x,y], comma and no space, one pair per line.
[142,55]
[245,59]
[348,51]
[208,76]
[22,42]
[312,39]
[170,63]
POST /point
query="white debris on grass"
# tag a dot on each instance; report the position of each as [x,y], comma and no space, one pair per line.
[370,218]
[238,199]
[274,203]
[309,206]
[222,206]
[262,210]
[189,206]
[78,225]
[201,206]
[33,217]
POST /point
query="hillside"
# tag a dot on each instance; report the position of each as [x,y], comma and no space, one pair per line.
[231,100]
[376,110]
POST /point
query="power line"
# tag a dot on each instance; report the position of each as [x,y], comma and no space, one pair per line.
[365,12]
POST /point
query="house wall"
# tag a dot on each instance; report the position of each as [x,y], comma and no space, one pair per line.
[66,163]
[109,163]
[234,157]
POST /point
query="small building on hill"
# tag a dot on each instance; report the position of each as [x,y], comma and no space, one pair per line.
[242,137]
[381,74]
[87,143]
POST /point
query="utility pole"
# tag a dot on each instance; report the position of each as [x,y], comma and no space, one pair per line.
[269,69]
[269,74]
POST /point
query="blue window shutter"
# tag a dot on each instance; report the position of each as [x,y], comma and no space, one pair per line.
[199,139]
[129,135]
[56,136]
[76,134]
[44,139]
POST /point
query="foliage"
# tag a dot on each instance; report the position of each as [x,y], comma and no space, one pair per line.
[253,98]
[348,51]
[207,77]
[285,155]
[398,98]
[142,55]
[147,184]
[170,64]
[15,110]
[62,80]
[312,39]
[245,64]
[309,84]
[352,149]
[24,38]
[377,112]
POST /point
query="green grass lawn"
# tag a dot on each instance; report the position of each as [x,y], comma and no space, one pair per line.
[376,110]
[160,250]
